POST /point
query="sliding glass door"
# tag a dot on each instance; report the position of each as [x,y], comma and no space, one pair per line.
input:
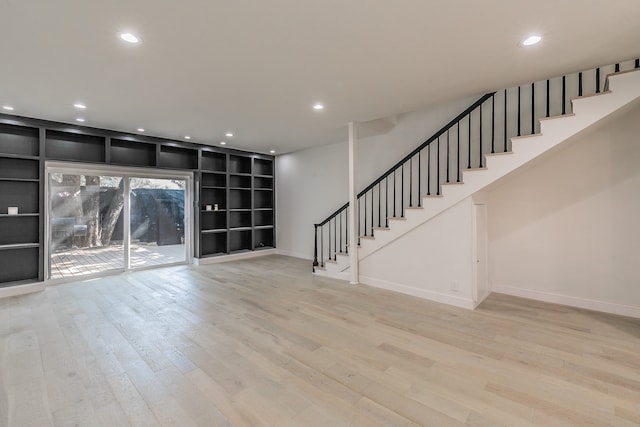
[108,220]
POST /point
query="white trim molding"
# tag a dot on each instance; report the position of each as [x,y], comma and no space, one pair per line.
[234,257]
[420,293]
[294,255]
[571,301]
[29,288]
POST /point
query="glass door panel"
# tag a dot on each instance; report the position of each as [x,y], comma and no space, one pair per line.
[85,224]
[157,221]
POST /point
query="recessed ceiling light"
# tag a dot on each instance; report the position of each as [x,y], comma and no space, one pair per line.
[318,107]
[80,106]
[79,119]
[8,107]
[223,143]
[273,151]
[140,130]
[228,134]
[187,137]
[129,38]
[531,40]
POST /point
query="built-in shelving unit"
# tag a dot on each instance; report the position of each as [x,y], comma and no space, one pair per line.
[234,193]
[20,242]
[237,183]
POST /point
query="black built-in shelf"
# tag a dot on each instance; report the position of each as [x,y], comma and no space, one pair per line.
[214,161]
[74,147]
[178,157]
[130,153]
[19,140]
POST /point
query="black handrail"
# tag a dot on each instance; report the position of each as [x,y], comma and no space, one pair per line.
[473,117]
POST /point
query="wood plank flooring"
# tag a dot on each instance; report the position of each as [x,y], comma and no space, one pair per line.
[263,342]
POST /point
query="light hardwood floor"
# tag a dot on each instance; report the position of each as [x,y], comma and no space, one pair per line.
[263,342]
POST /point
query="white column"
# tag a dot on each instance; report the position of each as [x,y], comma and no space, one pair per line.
[353,209]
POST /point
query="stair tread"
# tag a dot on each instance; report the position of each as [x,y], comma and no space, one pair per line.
[367,237]
[498,153]
[526,136]
[561,116]
[399,217]
[381,228]
[591,95]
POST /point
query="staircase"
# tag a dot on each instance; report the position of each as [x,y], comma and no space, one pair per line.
[498,134]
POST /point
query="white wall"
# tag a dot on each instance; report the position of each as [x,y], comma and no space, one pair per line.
[433,261]
[313,183]
[567,229]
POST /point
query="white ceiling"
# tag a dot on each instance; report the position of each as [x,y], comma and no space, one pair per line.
[256,67]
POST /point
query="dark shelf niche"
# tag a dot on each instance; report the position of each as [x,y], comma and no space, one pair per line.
[262,167]
[213,220]
[19,168]
[74,147]
[19,140]
[239,199]
[213,161]
[19,264]
[132,153]
[214,179]
[213,196]
[239,219]
[260,182]
[263,199]
[263,238]
[178,157]
[213,243]
[240,181]
[23,194]
[240,240]
[262,218]
[17,229]
[239,164]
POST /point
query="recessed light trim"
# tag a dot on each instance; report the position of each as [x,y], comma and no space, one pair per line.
[80,119]
[223,143]
[80,106]
[130,38]
[140,129]
[531,40]
[8,107]
[229,134]
[318,106]
[272,151]
[187,137]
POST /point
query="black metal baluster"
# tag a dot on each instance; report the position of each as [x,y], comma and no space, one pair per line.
[533,108]
[365,214]
[505,121]
[617,69]
[493,123]
[438,168]
[548,97]
[637,63]
[564,95]
[373,198]
[394,194]
[597,80]
[519,90]
[346,231]
[411,182]
[329,235]
[580,84]
[469,152]
[379,205]
[419,180]
[335,239]
[402,192]
[429,170]
[322,246]
[359,233]
[480,148]
[386,201]
[340,232]
[458,155]
[447,155]
[315,245]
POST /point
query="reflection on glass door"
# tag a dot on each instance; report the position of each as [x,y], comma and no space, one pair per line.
[85,230]
[157,221]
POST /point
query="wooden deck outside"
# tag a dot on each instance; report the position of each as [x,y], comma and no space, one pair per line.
[82,261]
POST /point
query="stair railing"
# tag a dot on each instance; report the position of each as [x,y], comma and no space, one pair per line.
[486,126]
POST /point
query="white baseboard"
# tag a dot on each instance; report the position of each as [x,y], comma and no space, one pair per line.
[604,306]
[12,291]
[294,254]
[234,257]
[420,293]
